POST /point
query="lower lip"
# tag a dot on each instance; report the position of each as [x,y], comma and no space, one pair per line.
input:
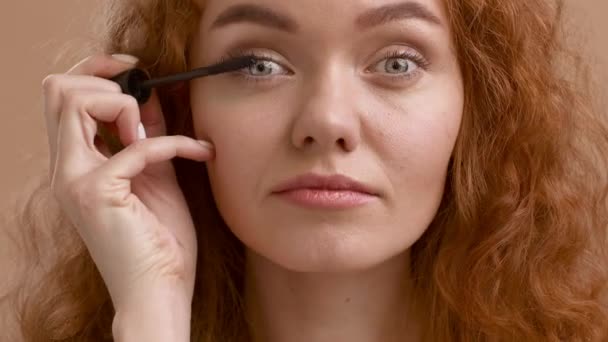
[326,199]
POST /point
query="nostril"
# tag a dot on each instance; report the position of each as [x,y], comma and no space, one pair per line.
[309,141]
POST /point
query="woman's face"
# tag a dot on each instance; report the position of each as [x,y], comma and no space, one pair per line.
[367,89]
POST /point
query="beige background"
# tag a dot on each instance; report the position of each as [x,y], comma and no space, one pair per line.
[33,32]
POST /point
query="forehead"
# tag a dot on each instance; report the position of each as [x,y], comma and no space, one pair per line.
[303,13]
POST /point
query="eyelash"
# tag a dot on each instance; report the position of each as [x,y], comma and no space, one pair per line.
[418,59]
[244,53]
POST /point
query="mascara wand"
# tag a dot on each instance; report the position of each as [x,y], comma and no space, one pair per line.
[137,83]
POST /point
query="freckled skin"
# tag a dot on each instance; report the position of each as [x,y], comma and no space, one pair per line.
[329,104]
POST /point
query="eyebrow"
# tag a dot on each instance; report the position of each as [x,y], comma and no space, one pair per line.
[393,12]
[264,16]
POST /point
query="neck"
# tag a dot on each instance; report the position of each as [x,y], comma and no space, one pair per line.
[364,306]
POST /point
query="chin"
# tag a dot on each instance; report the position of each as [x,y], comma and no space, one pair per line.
[327,241]
[327,252]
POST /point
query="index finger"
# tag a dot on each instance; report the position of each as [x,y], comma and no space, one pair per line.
[102,65]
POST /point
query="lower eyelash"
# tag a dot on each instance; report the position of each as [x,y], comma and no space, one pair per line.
[416,58]
[244,53]
[419,60]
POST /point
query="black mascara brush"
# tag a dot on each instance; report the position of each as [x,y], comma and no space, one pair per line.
[137,83]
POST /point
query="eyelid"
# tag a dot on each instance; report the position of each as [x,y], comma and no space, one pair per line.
[402,52]
[398,81]
[407,53]
[260,56]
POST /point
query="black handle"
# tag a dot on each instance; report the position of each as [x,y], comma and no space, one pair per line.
[131,82]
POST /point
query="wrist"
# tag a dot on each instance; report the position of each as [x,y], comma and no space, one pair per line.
[154,314]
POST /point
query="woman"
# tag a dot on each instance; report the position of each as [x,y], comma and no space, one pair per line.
[386,171]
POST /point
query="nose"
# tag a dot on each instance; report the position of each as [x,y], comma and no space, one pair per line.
[327,119]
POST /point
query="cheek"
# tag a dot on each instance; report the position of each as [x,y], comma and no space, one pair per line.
[416,140]
[427,142]
[246,137]
[228,115]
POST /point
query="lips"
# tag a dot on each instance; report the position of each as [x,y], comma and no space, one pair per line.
[335,183]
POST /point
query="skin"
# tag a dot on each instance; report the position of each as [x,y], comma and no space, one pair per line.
[332,105]
[331,102]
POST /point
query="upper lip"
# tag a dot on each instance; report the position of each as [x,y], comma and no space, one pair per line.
[324,182]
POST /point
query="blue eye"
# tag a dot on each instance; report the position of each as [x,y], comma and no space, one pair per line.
[397,64]
[400,63]
[263,70]
[264,67]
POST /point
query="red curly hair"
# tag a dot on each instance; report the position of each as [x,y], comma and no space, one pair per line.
[517,251]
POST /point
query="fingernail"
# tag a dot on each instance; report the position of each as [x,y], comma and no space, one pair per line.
[205,144]
[141,131]
[126,58]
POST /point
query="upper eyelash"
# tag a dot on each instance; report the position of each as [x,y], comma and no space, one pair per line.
[416,58]
[244,53]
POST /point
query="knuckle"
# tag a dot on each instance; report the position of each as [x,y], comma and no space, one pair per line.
[73,100]
[131,102]
[116,87]
[97,59]
[89,65]
[181,140]
[129,105]
[50,82]
[171,261]
[138,146]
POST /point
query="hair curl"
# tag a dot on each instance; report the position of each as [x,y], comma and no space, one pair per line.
[517,250]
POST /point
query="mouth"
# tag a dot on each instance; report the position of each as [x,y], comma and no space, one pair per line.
[325,192]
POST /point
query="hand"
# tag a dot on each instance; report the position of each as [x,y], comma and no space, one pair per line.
[127,207]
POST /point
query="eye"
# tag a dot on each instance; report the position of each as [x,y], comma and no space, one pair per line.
[264,67]
[400,64]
